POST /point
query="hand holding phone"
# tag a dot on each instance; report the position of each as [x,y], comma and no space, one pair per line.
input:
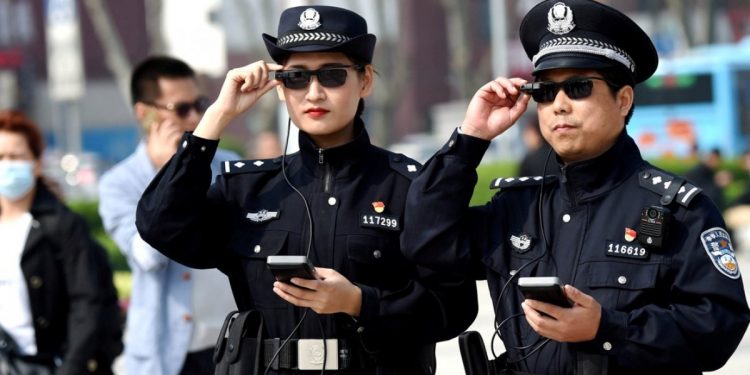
[545,289]
[285,267]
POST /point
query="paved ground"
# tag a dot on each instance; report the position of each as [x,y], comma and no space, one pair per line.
[449,358]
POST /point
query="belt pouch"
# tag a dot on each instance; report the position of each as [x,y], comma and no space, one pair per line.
[238,347]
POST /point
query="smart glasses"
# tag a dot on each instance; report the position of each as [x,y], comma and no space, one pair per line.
[182,109]
[328,77]
[574,88]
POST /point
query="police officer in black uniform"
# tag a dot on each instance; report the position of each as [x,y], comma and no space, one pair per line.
[644,256]
[384,313]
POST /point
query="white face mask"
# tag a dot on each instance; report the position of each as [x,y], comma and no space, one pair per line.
[16,178]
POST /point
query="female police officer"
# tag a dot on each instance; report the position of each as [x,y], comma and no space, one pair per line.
[384,314]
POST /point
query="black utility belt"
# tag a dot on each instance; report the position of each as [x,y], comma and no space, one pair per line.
[308,354]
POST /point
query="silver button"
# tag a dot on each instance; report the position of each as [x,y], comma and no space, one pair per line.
[622,280]
[513,272]
[607,346]
[451,143]
[377,254]
[184,143]
[203,148]
[566,218]
[35,224]
[256,249]
[331,201]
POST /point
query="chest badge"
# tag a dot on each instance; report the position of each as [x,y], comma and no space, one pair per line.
[718,246]
[378,206]
[630,234]
[521,243]
[263,216]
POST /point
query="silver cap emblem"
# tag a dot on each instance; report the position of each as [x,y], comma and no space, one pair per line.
[309,19]
[560,19]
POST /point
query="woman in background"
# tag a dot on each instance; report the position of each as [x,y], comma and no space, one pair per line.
[59,312]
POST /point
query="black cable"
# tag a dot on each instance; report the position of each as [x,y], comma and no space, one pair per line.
[286,178]
[286,340]
[325,344]
[546,245]
[307,254]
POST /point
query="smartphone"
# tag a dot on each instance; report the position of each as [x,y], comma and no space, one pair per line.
[284,267]
[149,119]
[545,289]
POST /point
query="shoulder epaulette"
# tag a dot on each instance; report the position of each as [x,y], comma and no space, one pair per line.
[231,167]
[406,166]
[669,186]
[518,182]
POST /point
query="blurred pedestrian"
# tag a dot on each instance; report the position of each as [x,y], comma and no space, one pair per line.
[339,201]
[59,312]
[708,176]
[175,313]
[538,151]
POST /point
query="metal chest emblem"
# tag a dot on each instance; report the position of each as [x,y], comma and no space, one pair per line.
[630,234]
[560,19]
[521,243]
[262,216]
[718,246]
[378,206]
[309,19]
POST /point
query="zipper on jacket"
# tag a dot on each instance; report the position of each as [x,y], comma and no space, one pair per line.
[327,175]
[568,187]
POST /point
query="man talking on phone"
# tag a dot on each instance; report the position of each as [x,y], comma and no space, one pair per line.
[644,256]
[172,323]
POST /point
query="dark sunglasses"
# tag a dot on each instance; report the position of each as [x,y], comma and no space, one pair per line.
[574,88]
[182,109]
[328,77]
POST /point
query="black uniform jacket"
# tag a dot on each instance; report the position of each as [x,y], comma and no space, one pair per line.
[72,297]
[356,194]
[668,310]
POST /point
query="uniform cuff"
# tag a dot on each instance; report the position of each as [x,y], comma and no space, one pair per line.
[469,149]
[195,147]
[611,335]
[369,310]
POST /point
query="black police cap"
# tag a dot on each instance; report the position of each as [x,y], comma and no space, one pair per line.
[588,35]
[320,28]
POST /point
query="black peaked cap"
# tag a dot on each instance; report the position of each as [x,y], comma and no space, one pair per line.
[318,28]
[588,35]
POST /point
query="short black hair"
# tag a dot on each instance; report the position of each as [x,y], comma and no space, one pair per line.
[144,83]
[618,77]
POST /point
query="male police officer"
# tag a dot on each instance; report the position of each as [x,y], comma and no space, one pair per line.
[648,264]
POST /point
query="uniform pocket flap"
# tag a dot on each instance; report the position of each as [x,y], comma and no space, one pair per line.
[260,245]
[365,249]
[622,275]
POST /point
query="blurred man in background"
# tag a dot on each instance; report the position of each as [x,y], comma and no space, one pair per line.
[169,329]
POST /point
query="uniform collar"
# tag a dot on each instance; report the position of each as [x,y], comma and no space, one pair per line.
[335,156]
[590,178]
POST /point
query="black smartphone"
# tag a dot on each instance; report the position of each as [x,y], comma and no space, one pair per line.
[284,267]
[546,289]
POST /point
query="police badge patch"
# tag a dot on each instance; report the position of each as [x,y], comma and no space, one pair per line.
[718,246]
[262,216]
[520,243]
